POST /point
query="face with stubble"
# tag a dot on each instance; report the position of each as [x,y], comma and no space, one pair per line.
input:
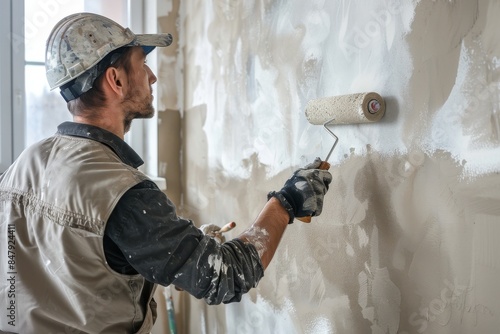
[138,102]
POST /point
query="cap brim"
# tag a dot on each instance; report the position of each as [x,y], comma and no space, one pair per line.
[150,41]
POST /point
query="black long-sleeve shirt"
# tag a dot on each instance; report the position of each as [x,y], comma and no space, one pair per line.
[144,235]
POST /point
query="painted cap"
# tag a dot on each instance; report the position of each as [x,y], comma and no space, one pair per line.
[80,41]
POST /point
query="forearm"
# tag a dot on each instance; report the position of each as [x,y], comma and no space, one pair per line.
[265,233]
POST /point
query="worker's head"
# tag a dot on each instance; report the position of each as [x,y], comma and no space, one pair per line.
[81,50]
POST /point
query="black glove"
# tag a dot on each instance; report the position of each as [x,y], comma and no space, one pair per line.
[303,193]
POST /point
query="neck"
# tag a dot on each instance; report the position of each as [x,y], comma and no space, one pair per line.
[112,125]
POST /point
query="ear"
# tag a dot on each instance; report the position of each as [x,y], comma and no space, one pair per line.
[115,80]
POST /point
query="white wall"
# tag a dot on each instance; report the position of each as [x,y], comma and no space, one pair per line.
[408,240]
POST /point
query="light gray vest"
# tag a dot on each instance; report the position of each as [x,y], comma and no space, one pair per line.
[55,201]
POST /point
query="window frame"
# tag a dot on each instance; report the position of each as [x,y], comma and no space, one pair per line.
[11,97]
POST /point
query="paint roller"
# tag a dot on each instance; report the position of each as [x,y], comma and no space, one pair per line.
[344,109]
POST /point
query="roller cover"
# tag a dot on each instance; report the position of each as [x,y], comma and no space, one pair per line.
[346,109]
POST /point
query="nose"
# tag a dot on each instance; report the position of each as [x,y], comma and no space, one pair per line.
[151,76]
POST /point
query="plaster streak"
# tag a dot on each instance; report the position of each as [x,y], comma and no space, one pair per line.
[259,237]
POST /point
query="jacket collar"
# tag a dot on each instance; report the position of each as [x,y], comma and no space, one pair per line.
[120,147]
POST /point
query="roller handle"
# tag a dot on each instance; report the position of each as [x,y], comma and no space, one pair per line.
[324,166]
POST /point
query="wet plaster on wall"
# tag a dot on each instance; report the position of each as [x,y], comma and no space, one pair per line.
[407,239]
[170,83]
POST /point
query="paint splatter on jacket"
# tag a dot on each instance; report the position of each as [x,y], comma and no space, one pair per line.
[92,235]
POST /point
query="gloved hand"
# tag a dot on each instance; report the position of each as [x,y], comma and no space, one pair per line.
[213,231]
[303,193]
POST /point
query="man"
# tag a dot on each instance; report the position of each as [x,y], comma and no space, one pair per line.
[85,236]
